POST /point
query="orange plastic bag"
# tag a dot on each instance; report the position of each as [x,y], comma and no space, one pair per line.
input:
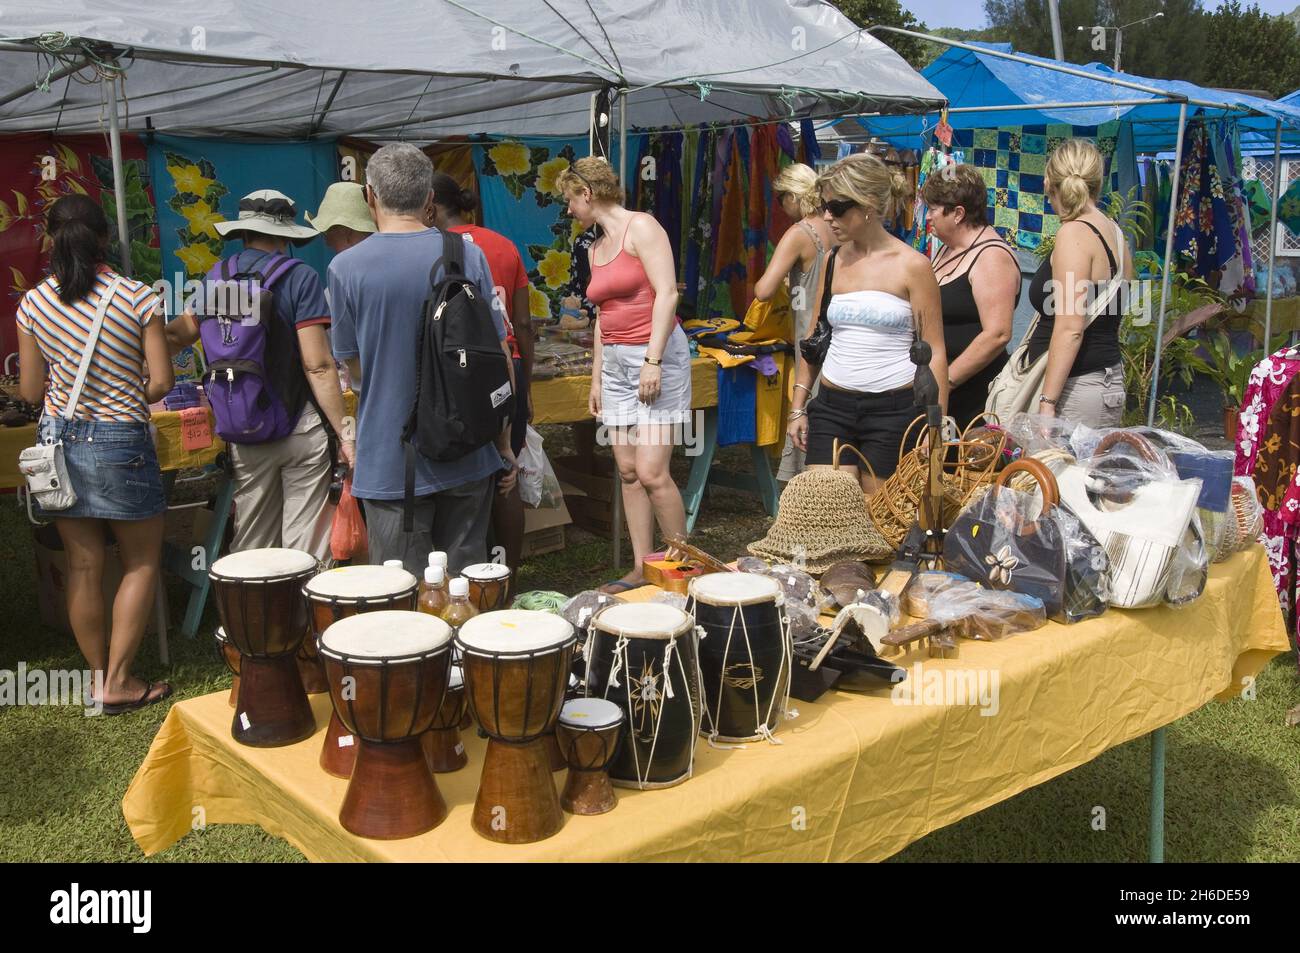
[348,534]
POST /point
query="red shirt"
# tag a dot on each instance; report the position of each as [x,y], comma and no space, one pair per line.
[507,267]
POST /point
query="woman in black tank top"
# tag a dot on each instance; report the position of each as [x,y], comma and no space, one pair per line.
[979,286]
[1084,379]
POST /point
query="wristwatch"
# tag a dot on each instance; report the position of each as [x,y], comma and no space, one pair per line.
[653,361]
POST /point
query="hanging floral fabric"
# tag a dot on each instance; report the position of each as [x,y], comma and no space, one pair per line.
[1268,449]
[1205,238]
[1238,278]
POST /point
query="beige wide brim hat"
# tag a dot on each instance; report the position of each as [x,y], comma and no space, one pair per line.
[344,204]
[822,519]
[267,212]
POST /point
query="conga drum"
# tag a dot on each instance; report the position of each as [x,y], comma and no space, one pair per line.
[441,743]
[746,653]
[516,667]
[259,599]
[230,655]
[489,585]
[642,656]
[339,594]
[588,732]
[388,675]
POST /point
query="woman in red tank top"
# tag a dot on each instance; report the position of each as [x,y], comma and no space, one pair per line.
[641,372]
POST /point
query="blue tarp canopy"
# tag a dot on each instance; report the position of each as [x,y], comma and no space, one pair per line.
[975,80]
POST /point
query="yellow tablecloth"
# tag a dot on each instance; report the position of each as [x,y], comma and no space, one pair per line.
[563,400]
[857,777]
[172,455]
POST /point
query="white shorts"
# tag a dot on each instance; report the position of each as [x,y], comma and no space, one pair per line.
[620,380]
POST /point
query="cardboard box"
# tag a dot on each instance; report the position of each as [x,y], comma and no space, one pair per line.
[592,502]
[184,528]
[544,528]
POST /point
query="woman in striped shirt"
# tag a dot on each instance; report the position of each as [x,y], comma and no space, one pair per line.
[107,444]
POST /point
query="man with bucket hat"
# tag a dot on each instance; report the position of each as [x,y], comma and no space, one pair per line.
[283,443]
[344,218]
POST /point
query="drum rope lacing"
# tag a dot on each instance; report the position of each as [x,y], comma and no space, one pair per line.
[787,665]
[620,653]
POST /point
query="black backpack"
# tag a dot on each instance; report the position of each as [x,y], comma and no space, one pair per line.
[463,397]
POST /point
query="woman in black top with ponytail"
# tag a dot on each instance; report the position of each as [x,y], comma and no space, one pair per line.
[979,286]
[1085,372]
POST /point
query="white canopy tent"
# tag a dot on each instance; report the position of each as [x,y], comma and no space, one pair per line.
[423,70]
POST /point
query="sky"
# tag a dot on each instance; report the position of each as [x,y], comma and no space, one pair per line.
[969,14]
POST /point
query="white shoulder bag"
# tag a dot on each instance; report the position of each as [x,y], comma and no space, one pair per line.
[1019,384]
[43,465]
[1142,537]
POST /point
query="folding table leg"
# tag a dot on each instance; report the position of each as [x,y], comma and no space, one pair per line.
[1156,838]
[211,546]
[699,478]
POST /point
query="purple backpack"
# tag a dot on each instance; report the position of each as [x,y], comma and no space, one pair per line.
[255,382]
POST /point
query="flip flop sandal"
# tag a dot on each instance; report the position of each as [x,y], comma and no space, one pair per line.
[619,585]
[121,708]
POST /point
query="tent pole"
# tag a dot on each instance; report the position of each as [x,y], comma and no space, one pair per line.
[52,78]
[1166,272]
[622,138]
[119,178]
[1272,236]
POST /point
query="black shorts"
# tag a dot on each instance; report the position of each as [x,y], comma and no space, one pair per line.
[874,423]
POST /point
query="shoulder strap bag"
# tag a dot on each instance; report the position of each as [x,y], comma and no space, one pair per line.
[43,465]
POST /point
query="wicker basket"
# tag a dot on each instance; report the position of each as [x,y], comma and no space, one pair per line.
[968,467]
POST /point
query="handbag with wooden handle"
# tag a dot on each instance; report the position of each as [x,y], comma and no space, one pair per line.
[1051,557]
[1143,522]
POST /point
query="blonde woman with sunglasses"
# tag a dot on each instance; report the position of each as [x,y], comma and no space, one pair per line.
[880,292]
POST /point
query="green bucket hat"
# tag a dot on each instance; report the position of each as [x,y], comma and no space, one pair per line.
[344,204]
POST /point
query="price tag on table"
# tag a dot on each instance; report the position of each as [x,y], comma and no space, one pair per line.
[196,428]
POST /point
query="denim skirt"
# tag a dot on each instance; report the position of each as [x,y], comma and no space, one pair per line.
[113,467]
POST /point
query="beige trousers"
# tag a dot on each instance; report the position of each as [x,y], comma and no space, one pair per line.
[282,491]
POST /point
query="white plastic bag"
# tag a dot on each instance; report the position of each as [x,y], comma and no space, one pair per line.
[538,485]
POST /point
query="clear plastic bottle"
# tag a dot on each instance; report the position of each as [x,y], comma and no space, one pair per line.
[433,592]
[438,558]
[395,563]
[459,609]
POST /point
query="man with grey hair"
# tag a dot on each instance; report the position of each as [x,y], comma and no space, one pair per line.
[377,294]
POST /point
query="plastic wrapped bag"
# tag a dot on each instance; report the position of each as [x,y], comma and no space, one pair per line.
[1003,541]
[986,614]
[538,485]
[675,599]
[580,609]
[1035,432]
[348,534]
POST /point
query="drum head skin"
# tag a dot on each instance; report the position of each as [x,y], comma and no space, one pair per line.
[254,564]
[485,571]
[361,582]
[515,632]
[590,713]
[734,588]
[643,620]
[394,633]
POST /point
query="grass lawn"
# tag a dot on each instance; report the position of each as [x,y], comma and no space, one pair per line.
[1233,777]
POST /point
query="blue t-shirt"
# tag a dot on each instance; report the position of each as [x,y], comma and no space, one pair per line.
[377,291]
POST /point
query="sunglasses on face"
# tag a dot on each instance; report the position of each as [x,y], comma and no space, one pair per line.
[837,207]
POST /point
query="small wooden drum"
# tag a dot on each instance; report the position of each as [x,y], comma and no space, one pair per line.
[588,732]
[388,675]
[230,655]
[643,657]
[340,594]
[489,585]
[441,743]
[746,654]
[516,669]
[259,599]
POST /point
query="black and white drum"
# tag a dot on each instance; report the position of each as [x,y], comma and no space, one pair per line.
[746,653]
[642,656]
